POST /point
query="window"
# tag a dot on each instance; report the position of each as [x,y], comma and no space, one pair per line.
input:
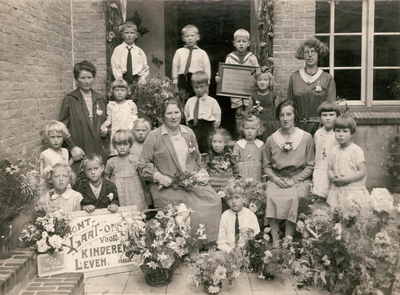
[364,49]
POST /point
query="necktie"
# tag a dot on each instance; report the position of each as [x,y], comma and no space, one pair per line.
[189,60]
[237,228]
[196,111]
[129,76]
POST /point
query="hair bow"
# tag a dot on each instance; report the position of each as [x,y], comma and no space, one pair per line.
[260,70]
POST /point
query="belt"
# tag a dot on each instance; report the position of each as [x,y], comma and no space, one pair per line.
[309,120]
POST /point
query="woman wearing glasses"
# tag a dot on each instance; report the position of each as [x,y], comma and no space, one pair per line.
[310,86]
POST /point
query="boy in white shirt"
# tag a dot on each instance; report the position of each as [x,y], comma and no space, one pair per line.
[128,61]
[202,112]
[188,60]
[236,218]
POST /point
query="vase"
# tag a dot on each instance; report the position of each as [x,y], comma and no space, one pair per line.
[210,288]
[5,241]
[158,277]
[268,274]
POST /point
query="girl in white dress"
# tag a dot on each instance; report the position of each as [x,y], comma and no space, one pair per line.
[347,170]
[121,113]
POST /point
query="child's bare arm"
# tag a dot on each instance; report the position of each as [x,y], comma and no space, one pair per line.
[331,175]
[361,172]
[107,122]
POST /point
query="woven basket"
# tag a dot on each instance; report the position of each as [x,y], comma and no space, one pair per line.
[158,277]
[207,285]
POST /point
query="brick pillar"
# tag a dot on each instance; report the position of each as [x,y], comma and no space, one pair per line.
[295,23]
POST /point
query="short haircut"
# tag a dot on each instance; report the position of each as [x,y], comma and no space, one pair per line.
[122,136]
[142,121]
[91,157]
[328,106]
[84,66]
[253,118]
[234,186]
[319,47]
[119,83]
[189,28]
[270,78]
[345,121]
[241,33]
[63,166]
[200,77]
[283,104]
[56,126]
[320,205]
[166,103]
[221,131]
[127,25]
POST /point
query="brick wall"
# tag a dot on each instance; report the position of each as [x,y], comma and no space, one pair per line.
[90,37]
[35,70]
[295,23]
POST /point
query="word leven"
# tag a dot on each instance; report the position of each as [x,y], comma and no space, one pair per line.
[100,251]
[80,265]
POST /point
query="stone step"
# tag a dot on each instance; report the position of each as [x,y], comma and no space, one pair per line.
[17,271]
[62,284]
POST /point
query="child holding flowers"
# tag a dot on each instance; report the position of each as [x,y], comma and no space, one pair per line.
[249,150]
[61,196]
[122,170]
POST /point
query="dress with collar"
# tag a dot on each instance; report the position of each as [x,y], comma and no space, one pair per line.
[108,194]
[308,93]
[69,201]
[249,155]
[159,154]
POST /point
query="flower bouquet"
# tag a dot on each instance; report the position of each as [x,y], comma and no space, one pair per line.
[189,179]
[255,198]
[156,245]
[48,232]
[211,269]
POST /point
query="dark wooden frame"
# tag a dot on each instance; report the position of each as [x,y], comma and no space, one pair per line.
[247,75]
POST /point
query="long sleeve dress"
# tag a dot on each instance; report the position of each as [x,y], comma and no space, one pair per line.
[160,154]
[296,164]
[309,96]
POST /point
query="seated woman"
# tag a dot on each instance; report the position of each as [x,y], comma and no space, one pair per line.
[172,149]
[288,162]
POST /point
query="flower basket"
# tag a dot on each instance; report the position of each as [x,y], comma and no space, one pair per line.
[210,288]
[158,277]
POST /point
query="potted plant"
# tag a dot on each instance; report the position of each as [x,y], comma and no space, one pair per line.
[156,245]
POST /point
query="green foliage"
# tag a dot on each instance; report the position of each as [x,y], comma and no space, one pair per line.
[393,161]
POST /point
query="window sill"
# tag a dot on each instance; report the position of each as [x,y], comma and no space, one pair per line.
[376,118]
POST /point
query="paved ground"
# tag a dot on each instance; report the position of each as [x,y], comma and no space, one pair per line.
[133,282]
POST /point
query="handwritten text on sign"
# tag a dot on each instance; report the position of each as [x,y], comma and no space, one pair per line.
[97,241]
[235,80]
[51,264]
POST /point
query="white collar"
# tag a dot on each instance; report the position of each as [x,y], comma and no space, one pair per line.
[242,143]
[323,131]
[194,46]
[295,138]
[240,213]
[165,131]
[306,79]
[129,45]
[53,195]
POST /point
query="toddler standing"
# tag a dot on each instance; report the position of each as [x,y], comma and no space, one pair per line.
[189,59]
[248,151]
[122,170]
[128,61]
[265,97]
[347,170]
[121,113]
[220,164]
[324,140]
[236,218]
[202,112]
[61,196]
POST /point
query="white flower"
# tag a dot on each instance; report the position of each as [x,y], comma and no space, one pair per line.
[42,246]
[325,258]
[318,88]
[161,257]
[381,200]
[56,241]
[268,254]
[253,207]
[326,263]
[221,194]
[111,196]
[147,254]
[152,264]
[44,235]
[398,208]
[214,289]
[267,230]
[49,227]
[220,273]
[266,237]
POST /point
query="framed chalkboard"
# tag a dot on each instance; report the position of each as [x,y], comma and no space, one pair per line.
[51,264]
[235,80]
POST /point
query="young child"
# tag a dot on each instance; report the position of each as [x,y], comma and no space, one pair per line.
[324,140]
[236,218]
[121,113]
[122,170]
[141,129]
[320,220]
[128,61]
[55,133]
[202,112]
[97,192]
[241,41]
[265,97]
[248,151]
[189,59]
[220,164]
[61,196]
[346,170]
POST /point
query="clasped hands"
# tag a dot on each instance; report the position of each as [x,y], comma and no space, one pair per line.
[283,182]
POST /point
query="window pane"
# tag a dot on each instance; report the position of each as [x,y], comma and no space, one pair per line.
[386,84]
[387,16]
[322,17]
[348,84]
[386,51]
[324,61]
[348,17]
[348,51]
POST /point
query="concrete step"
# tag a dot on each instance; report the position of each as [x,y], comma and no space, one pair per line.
[62,284]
